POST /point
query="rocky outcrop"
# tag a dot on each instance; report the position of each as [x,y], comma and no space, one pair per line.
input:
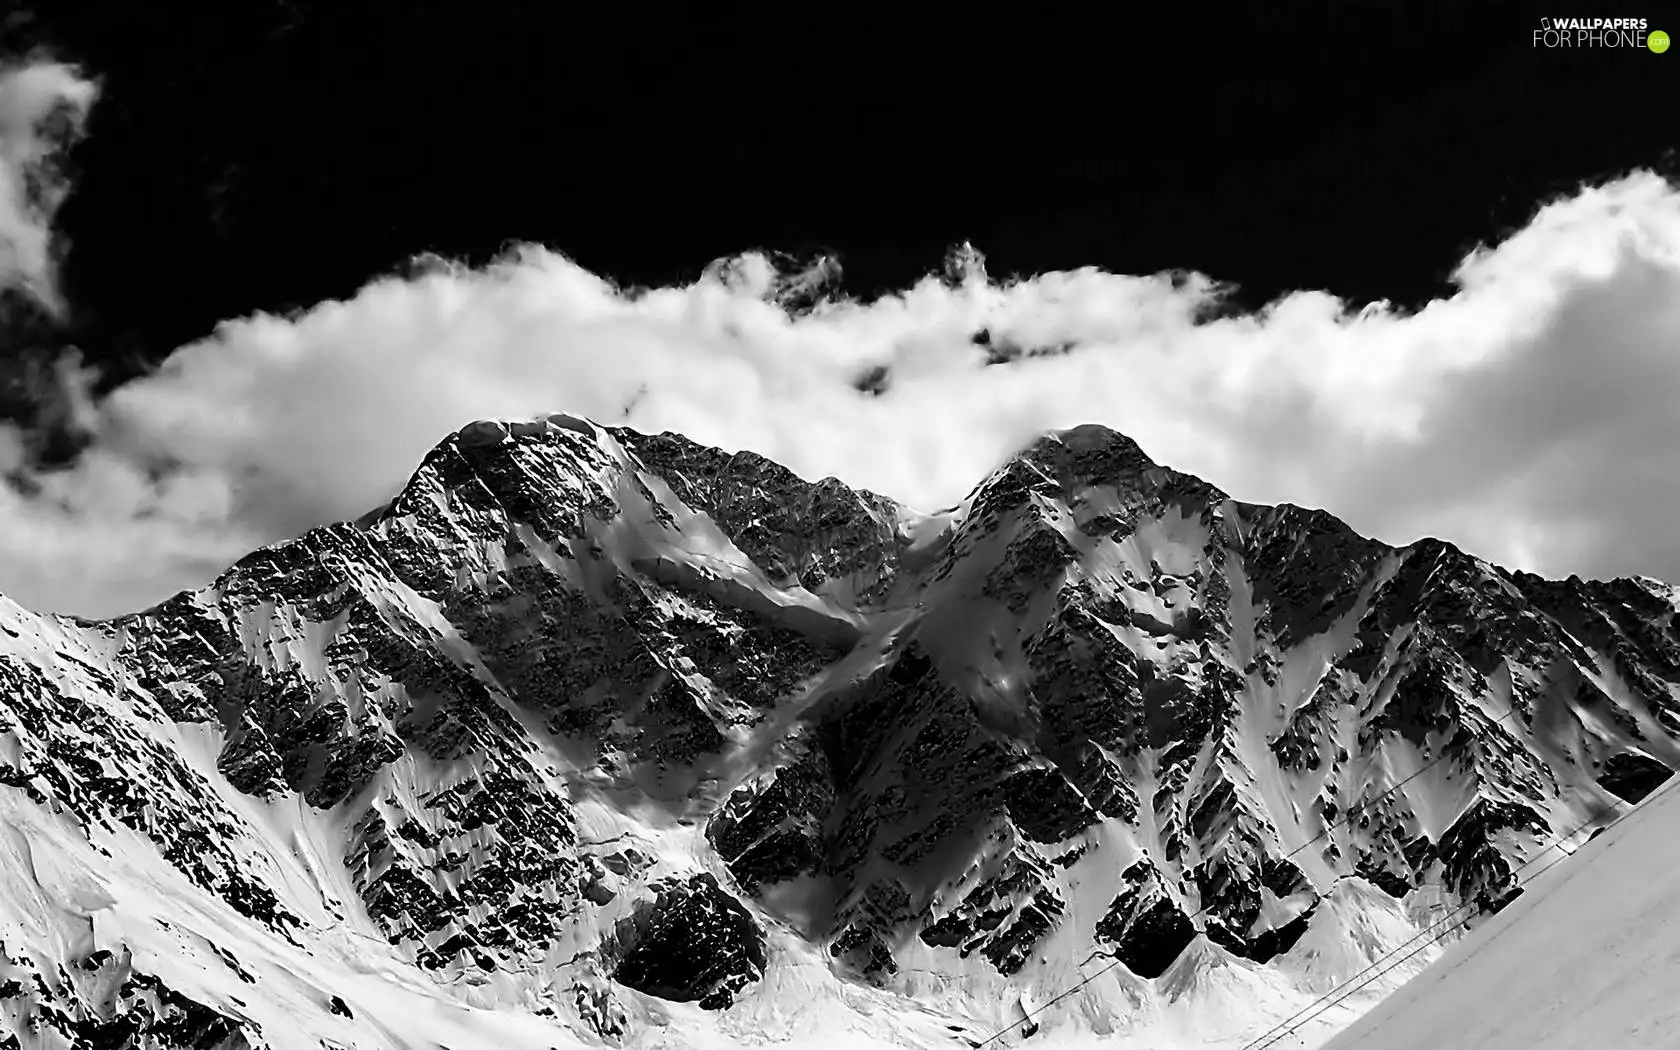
[772,829]
[825,537]
[102,1001]
[692,942]
[1145,927]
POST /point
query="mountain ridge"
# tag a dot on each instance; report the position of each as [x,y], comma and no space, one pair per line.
[580,701]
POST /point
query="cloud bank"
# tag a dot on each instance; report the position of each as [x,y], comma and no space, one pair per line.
[43,110]
[1533,417]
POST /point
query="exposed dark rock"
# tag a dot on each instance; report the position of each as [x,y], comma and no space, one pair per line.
[1309,568]
[692,943]
[1632,776]
[1276,941]
[1045,806]
[1383,877]
[598,892]
[600,1009]
[796,530]
[1147,930]
[873,381]
[139,1009]
[1003,917]
[1472,862]
[773,831]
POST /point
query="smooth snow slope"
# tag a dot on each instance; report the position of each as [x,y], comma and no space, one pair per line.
[1588,956]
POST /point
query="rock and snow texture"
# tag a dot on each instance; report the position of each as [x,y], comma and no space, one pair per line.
[1585,957]
[599,738]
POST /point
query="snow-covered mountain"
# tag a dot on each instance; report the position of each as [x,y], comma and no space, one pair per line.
[599,738]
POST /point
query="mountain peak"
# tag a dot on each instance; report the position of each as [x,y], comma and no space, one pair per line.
[1089,445]
[494,431]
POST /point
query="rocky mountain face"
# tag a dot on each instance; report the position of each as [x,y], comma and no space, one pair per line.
[594,737]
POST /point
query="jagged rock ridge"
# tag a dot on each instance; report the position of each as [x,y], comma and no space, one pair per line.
[587,721]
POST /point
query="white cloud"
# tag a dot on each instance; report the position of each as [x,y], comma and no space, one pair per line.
[1533,417]
[43,108]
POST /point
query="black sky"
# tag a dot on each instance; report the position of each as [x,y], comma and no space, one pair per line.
[263,155]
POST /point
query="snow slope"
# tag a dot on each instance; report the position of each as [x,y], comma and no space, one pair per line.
[1588,956]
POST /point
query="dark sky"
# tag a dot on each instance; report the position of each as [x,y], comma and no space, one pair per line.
[259,155]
